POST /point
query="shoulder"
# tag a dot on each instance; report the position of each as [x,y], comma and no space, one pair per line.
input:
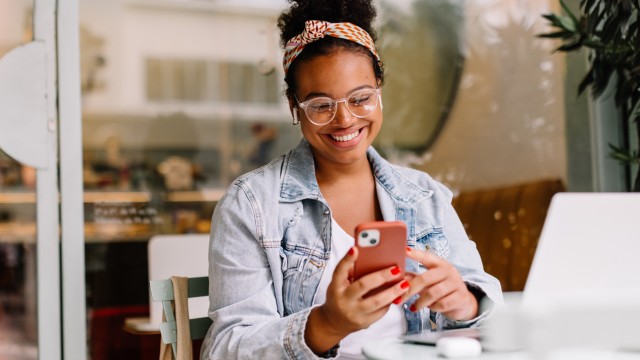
[405,183]
[424,181]
[262,181]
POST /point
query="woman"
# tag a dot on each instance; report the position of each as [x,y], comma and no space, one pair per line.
[282,236]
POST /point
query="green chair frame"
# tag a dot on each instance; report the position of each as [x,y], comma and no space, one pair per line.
[162,290]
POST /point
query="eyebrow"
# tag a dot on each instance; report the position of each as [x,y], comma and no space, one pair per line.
[321,94]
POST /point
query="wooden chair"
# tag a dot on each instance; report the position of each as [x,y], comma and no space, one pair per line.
[177,330]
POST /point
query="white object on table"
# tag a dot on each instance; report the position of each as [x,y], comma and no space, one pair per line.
[458,347]
[395,348]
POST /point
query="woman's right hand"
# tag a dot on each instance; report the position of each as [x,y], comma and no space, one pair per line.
[346,310]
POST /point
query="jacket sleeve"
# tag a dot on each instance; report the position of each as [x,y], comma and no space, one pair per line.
[243,304]
[465,257]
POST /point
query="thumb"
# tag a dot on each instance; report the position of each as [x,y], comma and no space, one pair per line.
[344,269]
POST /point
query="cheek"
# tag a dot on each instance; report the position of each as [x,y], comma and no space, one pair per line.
[377,122]
[307,131]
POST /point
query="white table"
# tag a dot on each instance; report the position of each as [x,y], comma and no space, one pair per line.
[394,348]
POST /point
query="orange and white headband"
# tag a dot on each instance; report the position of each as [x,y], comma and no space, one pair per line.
[317,29]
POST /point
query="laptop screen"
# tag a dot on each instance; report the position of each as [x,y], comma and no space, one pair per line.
[589,241]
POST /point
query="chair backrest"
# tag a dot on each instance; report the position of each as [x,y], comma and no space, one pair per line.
[178,255]
[506,223]
[174,294]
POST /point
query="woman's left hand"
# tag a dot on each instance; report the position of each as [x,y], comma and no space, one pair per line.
[440,288]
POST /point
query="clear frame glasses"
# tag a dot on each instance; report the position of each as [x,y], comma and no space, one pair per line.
[322,110]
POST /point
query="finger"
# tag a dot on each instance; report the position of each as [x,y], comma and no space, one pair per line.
[436,292]
[344,267]
[409,275]
[373,280]
[426,258]
[405,285]
[427,279]
[451,302]
[386,297]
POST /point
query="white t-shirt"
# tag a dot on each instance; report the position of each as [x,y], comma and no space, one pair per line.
[393,323]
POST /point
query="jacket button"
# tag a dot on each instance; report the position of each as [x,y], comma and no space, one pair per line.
[326,212]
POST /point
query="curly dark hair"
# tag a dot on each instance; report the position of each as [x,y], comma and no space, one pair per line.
[358,12]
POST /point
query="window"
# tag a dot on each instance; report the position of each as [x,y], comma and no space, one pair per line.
[206,81]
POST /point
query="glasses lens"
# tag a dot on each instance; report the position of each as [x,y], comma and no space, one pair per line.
[363,102]
[321,110]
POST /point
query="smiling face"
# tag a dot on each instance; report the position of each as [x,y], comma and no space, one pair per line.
[343,141]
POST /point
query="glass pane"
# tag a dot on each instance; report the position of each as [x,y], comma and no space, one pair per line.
[18,319]
[474,77]
[506,125]
[178,100]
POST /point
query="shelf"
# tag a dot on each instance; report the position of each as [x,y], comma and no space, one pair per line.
[213,195]
[207,195]
[19,233]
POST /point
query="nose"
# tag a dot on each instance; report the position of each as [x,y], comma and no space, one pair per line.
[343,116]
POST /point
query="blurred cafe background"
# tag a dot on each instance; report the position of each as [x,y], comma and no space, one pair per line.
[179,97]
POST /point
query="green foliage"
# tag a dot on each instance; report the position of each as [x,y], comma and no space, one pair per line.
[611,30]
[625,156]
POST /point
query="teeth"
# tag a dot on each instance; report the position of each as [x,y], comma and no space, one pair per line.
[345,137]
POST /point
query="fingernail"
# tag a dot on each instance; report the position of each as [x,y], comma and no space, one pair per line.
[404,284]
[352,251]
[412,308]
[395,271]
[397,300]
[407,248]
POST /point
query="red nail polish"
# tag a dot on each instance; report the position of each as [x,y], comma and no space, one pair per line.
[412,308]
[395,271]
[404,284]
[397,300]
[407,248]
[351,251]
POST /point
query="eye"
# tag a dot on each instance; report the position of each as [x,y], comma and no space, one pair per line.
[321,105]
[360,98]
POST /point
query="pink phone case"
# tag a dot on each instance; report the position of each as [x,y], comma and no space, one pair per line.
[381,244]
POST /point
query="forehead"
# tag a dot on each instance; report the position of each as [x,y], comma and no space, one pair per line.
[335,74]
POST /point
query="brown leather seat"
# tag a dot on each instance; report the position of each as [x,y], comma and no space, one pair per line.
[506,223]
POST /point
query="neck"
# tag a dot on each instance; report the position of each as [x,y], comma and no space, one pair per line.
[334,174]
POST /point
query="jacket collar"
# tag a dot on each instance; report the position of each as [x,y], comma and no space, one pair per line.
[299,177]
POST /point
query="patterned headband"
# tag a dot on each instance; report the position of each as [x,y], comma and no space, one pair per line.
[317,29]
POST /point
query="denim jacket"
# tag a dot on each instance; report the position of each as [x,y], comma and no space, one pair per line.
[271,239]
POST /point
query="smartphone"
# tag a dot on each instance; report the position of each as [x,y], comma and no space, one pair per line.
[381,244]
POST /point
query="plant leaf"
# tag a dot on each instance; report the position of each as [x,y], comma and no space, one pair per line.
[623,155]
[570,46]
[586,81]
[568,11]
[555,35]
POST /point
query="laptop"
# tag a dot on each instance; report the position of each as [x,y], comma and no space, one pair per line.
[589,242]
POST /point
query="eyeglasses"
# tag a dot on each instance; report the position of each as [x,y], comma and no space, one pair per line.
[360,103]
